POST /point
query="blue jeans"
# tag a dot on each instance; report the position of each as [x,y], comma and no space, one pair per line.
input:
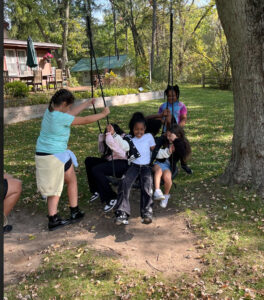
[146,183]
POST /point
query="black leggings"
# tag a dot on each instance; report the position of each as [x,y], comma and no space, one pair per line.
[97,169]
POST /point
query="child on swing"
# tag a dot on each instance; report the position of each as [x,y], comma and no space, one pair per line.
[177,148]
[114,160]
[177,110]
[54,162]
[144,143]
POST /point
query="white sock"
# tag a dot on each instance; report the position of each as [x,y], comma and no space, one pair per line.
[167,197]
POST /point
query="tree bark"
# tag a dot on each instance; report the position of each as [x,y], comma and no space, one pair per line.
[136,38]
[243,23]
[154,28]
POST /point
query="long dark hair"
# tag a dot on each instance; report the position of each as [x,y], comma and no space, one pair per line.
[59,97]
[153,126]
[137,117]
[107,150]
[175,89]
[179,131]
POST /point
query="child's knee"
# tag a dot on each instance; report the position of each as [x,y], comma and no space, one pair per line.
[167,178]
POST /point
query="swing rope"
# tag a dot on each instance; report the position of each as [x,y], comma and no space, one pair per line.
[92,56]
[170,74]
[95,62]
[91,77]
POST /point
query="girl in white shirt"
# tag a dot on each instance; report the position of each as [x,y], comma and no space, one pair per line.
[139,168]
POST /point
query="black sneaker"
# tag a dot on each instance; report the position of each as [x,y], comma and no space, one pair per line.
[94,196]
[7,228]
[76,215]
[111,205]
[121,218]
[147,218]
[56,222]
[187,169]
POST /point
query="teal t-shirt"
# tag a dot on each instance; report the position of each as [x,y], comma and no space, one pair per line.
[55,132]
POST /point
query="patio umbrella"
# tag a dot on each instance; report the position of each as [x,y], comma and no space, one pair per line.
[32,60]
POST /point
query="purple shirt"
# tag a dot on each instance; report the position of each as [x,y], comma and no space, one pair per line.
[178,107]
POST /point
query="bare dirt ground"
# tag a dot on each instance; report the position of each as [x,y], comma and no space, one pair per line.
[166,246]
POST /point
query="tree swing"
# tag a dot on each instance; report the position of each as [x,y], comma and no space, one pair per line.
[113,179]
[170,86]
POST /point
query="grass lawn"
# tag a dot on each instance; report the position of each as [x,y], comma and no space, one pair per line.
[228,220]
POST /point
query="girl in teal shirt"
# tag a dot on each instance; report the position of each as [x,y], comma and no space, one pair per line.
[54,162]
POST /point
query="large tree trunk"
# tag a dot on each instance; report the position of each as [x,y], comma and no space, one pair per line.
[243,23]
[154,27]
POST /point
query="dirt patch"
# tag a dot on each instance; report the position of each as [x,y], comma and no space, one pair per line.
[166,246]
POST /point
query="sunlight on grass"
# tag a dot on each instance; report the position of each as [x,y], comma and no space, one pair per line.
[228,220]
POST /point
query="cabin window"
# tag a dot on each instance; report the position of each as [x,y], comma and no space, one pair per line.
[22,61]
[11,62]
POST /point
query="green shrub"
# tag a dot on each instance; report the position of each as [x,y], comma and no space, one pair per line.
[108,92]
[16,89]
[73,81]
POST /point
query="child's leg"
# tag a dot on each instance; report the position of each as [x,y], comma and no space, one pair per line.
[91,162]
[53,202]
[166,176]
[13,193]
[146,183]
[72,187]
[106,169]
[125,187]
[157,176]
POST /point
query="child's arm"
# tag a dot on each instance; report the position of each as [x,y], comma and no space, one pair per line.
[118,139]
[79,108]
[156,116]
[110,142]
[121,143]
[163,153]
[91,118]
[183,116]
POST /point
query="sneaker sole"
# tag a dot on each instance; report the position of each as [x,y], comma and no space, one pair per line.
[159,198]
[147,221]
[120,222]
[163,206]
[59,226]
[109,209]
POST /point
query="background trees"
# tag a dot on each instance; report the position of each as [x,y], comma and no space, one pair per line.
[141,28]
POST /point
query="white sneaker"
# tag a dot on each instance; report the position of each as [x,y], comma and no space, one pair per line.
[158,195]
[111,205]
[164,202]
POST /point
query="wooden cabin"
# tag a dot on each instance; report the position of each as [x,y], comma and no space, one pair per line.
[15,56]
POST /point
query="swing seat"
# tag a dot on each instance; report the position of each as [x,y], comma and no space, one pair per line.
[115,181]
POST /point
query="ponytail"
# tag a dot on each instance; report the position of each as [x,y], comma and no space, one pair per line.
[60,96]
[51,106]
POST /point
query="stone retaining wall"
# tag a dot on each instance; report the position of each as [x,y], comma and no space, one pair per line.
[24,113]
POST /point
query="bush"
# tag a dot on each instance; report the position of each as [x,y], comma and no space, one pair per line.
[16,89]
[73,81]
[108,92]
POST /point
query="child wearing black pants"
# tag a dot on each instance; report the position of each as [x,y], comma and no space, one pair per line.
[139,168]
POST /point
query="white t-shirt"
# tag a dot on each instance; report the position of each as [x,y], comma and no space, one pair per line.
[143,145]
